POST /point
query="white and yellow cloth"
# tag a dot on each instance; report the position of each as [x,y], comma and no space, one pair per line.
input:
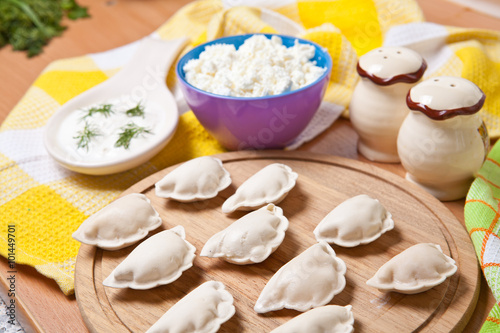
[47,203]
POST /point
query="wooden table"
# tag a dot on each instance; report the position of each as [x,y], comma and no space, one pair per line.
[118,22]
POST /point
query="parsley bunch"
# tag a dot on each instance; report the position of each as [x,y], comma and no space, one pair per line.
[28,25]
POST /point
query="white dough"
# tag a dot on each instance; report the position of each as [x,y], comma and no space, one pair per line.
[269,185]
[158,260]
[309,280]
[415,270]
[358,220]
[324,319]
[201,311]
[250,239]
[121,223]
[198,179]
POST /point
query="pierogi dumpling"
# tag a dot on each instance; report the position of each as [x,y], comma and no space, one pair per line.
[415,270]
[358,220]
[309,280]
[201,311]
[121,223]
[250,239]
[158,260]
[269,185]
[324,319]
[198,179]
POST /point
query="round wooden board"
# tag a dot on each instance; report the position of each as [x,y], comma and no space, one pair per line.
[324,182]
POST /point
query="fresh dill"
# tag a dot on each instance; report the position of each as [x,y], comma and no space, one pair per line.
[137,111]
[128,132]
[86,135]
[30,24]
[104,109]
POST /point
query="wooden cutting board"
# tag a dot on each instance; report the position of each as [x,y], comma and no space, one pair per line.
[324,182]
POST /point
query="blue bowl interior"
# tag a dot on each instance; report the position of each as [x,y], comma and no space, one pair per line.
[321,57]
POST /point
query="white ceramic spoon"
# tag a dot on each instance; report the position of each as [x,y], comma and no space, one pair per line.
[141,80]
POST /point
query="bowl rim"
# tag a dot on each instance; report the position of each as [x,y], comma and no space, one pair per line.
[328,58]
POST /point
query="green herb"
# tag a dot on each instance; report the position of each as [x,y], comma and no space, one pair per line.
[73,10]
[104,109]
[129,132]
[137,111]
[30,24]
[86,135]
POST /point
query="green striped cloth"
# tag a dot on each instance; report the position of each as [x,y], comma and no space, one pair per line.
[482,211]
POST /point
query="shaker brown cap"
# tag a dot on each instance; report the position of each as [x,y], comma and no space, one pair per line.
[391,64]
[444,97]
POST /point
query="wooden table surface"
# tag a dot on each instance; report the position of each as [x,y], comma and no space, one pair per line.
[118,22]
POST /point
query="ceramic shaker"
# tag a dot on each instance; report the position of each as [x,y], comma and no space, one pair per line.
[443,141]
[378,104]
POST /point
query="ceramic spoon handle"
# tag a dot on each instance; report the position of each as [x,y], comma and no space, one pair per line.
[153,57]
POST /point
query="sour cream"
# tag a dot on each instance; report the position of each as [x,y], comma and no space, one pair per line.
[102,146]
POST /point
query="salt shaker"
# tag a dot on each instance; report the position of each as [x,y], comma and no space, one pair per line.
[378,104]
[443,142]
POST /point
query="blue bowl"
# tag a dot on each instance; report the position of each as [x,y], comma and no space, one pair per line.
[256,122]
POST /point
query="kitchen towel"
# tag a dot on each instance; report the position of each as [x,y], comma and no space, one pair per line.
[46,203]
[482,211]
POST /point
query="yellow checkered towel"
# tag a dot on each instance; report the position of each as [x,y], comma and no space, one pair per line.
[45,203]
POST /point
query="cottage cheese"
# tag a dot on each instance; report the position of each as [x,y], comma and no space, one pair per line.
[260,67]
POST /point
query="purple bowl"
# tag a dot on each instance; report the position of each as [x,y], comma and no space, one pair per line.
[256,122]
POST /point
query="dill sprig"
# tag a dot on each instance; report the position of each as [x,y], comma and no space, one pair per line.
[86,135]
[104,109]
[128,132]
[137,111]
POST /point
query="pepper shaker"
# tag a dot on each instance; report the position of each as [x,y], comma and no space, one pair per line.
[378,104]
[443,142]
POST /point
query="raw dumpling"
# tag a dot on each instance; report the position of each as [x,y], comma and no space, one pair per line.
[198,179]
[158,260]
[119,224]
[269,185]
[201,311]
[309,280]
[325,319]
[416,269]
[358,220]
[251,239]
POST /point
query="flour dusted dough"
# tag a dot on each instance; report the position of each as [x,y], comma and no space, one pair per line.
[201,311]
[158,260]
[250,239]
[415,270]
[269,185]
[324,319]
[119,224]
[198,179]
[309,280]
[358,220]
